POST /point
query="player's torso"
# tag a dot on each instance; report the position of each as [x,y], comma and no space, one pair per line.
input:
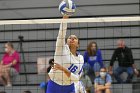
[72,63]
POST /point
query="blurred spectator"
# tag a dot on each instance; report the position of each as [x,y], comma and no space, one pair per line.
[138,73]
[92,60]
[9,65]
[27,91]
[2,92]
[123,55]
[102,83]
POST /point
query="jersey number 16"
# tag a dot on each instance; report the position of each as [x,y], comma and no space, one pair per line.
[73,69]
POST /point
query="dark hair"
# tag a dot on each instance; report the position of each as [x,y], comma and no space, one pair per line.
[91,52]
[2,92]
[51,64]
[27,91]
[51,61]
[10,44]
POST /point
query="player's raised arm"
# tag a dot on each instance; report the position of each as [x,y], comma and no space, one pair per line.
[60,42]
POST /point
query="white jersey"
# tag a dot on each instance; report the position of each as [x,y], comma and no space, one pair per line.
[64,57]
[79,87]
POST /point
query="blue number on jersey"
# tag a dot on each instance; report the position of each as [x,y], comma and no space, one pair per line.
[72,68]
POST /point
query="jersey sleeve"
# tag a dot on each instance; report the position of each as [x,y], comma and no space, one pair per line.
[60,42]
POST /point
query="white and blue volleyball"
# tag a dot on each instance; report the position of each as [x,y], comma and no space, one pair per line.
[67,7]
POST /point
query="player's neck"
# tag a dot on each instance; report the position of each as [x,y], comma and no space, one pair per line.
[73,51]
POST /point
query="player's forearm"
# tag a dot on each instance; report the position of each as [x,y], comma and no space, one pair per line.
[61,38]
[67,72]
[63,29]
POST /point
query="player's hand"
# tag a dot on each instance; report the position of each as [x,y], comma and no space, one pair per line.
[57,66]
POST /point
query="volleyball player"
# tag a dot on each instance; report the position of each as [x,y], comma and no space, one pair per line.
[68,63]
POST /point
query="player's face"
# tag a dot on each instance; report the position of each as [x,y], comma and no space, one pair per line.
[73,41]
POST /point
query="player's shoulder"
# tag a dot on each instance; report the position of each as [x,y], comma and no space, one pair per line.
[80,56]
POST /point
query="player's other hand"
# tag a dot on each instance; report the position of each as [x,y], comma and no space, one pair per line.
[57,66]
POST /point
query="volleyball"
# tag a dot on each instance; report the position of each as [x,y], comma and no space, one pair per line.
[67,7]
